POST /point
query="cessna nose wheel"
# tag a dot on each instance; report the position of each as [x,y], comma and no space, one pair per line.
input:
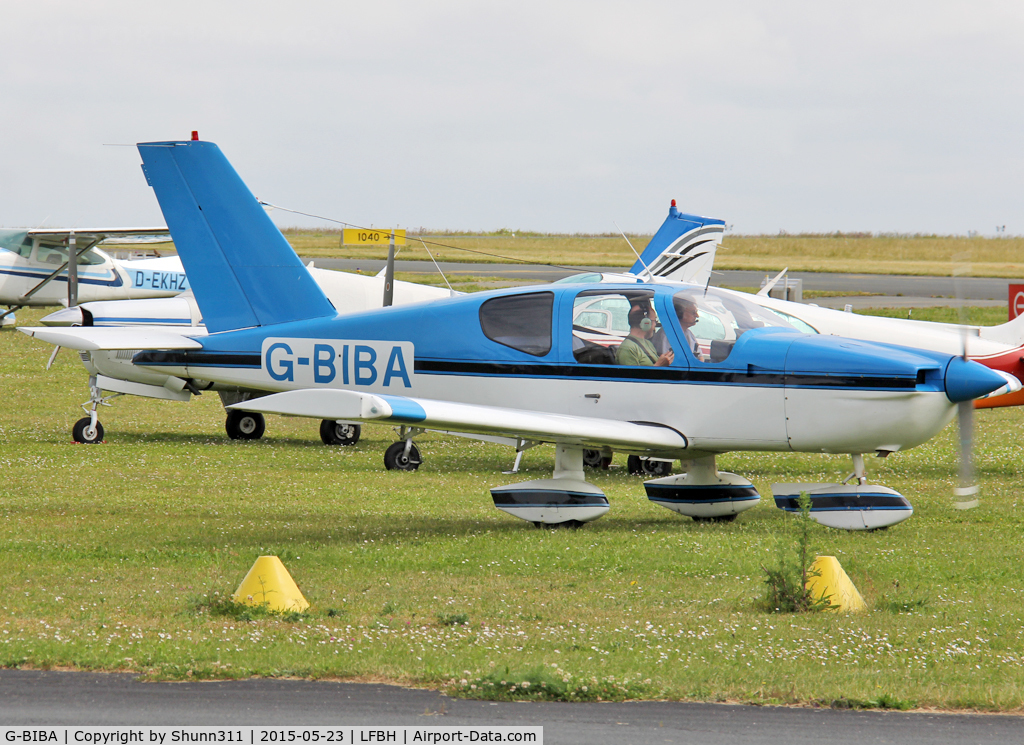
[245,425]
[85,433]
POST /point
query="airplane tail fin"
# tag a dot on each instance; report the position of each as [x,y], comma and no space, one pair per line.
[1011,333]
[241,269]
[683,249]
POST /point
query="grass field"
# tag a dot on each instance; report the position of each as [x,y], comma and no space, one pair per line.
[114,557]
[881,254]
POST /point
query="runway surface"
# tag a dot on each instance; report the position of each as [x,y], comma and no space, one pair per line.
[893,291]
[66,698]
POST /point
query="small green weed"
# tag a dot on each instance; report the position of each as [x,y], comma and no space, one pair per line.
[786,582]
[453,619]
[548,684]
[885,701]
[224,606]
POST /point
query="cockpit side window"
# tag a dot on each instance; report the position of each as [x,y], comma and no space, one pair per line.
[522,322]
[57,255]
[618,328]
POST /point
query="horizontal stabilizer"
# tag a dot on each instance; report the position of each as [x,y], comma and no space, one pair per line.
[95,338]
[321,403]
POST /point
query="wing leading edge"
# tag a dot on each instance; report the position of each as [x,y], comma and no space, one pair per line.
[471,418]
[95,338]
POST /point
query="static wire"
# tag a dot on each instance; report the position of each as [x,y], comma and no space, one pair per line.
[432,243]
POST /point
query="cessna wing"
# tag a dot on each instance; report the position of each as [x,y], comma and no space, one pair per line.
[590,432]
[16,236]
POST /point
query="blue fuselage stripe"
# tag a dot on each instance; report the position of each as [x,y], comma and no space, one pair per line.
[83,279]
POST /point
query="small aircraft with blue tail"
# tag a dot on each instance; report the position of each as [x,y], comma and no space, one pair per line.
[514,364]
[688,241]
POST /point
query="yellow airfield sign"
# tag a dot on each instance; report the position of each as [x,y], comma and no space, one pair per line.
[362,237]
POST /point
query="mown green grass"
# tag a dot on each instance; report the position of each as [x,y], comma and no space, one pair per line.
[111,557]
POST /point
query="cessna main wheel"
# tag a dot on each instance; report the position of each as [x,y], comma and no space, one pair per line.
[655,468]
[245,425]
[84,433]
[396,459]
[595,459]
[338,433]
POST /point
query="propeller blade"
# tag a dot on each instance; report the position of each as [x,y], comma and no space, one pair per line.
[966,494]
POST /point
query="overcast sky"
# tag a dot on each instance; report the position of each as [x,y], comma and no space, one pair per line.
[567,117]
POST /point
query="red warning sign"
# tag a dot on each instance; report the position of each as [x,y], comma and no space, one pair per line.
[1016,301]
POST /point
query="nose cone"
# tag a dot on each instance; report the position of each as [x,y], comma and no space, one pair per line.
[967,380]
[63,317]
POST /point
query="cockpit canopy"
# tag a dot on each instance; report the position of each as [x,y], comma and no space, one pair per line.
[707,322]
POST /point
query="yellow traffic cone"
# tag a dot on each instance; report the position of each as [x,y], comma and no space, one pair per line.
[833,581]
[269,582]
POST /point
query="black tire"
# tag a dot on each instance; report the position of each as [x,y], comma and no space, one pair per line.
[337,433]
[82,434]
[648,468]
[592,458]
[245,425]
[396,460]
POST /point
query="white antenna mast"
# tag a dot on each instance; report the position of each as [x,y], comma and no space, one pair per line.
[647,269]
[438,267]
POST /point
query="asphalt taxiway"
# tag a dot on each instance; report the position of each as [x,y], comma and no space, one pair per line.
[29,697]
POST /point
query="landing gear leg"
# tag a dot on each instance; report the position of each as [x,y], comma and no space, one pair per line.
[88,430]
[521,447]
[858,470]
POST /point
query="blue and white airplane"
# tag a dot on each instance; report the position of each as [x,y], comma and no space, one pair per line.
[513,364]
[683,249]
[34,268]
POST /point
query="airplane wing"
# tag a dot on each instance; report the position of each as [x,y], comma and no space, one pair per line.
[322,403]
[94,338]
[59,235]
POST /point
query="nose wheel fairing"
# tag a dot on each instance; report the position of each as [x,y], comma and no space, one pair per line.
[853,507]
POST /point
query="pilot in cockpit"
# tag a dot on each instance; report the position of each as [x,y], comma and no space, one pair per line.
[637,348]
[686,310]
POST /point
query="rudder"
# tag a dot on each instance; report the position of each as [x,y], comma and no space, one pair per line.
[241,269]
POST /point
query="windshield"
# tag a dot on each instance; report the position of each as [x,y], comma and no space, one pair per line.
[712,321]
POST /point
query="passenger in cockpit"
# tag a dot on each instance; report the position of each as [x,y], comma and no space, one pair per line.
[637,348]
[686,310]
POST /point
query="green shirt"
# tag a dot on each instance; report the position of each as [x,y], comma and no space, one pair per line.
[633,351]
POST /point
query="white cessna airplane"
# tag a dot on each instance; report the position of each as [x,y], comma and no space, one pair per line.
[513,364]
[35,271]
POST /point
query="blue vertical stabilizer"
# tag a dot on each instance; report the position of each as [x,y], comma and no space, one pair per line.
[242,270]
[683,248]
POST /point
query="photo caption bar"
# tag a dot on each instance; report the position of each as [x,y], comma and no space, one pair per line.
[270,735]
